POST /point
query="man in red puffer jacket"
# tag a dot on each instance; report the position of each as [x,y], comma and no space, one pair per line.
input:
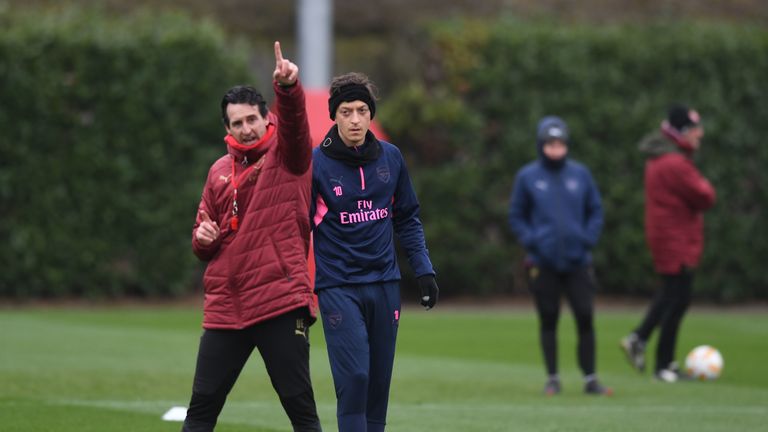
[253,230]
[676,196]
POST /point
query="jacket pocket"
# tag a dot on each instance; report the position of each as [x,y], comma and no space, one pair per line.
[280,259]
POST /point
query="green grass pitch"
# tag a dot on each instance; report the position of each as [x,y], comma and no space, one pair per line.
[120,368]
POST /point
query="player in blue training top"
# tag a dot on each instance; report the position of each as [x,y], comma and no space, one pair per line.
[556,213]
[362,196]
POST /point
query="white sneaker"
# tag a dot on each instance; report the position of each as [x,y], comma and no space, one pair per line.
[666,375]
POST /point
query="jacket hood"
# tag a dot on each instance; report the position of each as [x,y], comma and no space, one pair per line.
[656,144]
[662,141]
[551,127]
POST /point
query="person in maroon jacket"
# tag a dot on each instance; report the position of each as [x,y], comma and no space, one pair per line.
[252,228]
[676,196]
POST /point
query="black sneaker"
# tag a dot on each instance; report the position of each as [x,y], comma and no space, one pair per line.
[552,387]
[593,387]
[634,348]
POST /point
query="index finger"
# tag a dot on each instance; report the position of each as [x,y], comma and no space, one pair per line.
[278,53]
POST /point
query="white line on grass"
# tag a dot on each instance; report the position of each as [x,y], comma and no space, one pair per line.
[545,405]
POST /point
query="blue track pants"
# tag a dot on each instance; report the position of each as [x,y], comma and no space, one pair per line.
[360,324]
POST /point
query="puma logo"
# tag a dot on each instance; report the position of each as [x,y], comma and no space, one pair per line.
[300,328]
[225,178]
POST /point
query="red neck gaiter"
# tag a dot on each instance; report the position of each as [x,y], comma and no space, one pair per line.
[244,149]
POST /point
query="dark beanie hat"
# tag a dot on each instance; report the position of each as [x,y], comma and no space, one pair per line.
[681,117]
[350,93]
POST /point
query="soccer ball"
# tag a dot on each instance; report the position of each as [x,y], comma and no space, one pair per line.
[704,363]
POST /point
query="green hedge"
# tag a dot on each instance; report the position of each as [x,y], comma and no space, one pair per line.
[109,126]
[469,124]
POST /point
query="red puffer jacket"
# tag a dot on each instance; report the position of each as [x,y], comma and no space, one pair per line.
[259,271]
[676,196]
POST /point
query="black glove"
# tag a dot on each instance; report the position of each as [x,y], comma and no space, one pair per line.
[429,291]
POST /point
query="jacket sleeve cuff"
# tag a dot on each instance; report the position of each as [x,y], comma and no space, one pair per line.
[205,253]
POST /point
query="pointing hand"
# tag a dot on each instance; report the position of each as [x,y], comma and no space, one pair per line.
[286,73]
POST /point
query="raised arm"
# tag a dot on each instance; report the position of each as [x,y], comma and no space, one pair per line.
[294,141]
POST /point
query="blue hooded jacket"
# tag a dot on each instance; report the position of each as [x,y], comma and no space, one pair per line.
[555,209]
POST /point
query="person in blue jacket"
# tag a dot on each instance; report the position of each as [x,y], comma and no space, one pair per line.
[361,197]
[556,214]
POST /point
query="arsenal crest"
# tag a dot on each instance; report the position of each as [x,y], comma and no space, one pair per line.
[383,173]
[334,320]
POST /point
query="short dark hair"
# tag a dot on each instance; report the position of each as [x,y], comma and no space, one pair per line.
[239,95]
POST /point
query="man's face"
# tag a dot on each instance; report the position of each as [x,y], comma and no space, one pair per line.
[693,134]
[353,119]
[246,124]
[555,149]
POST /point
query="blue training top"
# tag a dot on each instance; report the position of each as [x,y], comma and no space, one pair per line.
[355,212]
[556,214]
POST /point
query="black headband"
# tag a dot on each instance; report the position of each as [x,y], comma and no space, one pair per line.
[349,93]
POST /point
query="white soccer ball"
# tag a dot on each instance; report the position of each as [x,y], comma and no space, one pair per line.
[704,363]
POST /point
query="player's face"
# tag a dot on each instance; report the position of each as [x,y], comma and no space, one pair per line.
[353,119]
[246,124]
[555,149]
[693,135]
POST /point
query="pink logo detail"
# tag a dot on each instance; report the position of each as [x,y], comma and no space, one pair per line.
[397,315]
[337,190]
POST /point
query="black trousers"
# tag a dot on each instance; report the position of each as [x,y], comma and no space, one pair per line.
[284,346]
[547,286]
[666,311]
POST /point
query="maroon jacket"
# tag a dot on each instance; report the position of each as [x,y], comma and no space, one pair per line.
[676,196]
[259,271]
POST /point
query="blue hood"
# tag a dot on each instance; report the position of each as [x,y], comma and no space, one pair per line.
[551,127]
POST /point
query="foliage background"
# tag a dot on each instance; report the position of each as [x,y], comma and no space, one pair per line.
[469,123]
[110,120]
[108,129]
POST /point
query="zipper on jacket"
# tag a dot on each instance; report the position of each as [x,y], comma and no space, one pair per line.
[362,177]
[559,252]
